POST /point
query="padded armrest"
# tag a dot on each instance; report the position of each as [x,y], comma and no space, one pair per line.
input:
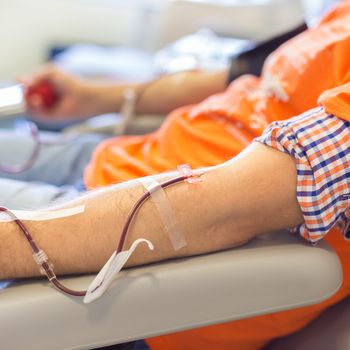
[112,124]
[272,273]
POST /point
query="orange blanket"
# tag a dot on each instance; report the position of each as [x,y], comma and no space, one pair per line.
[219,128]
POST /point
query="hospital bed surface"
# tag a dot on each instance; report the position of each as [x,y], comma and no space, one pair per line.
[272,273]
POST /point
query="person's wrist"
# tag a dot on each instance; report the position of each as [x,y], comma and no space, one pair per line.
[88,98]
[102,99]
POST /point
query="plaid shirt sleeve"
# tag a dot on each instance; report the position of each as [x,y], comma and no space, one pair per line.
[320,144]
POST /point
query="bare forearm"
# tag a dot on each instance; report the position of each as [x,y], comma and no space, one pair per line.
[253,194]
[161,95]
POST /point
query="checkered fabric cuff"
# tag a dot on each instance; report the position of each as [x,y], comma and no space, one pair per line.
[320,144]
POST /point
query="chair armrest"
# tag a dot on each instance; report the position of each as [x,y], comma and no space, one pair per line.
[112,124]
[272,273]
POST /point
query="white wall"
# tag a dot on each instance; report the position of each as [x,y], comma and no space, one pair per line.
[251,19]
[29,27]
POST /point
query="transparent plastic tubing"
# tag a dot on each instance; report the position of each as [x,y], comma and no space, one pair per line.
[35,135]
[18,168]
[43,261]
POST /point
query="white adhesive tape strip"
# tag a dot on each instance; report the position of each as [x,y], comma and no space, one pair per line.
[110,270]
[166,212]
[41,215]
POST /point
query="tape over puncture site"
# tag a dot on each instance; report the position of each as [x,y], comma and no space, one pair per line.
[166,212]
[115,263]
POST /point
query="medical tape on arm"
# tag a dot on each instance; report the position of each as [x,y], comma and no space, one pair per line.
[41,215]
[115,263]
[166,212]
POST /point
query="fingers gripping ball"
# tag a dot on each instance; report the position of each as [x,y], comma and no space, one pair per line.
[45,91]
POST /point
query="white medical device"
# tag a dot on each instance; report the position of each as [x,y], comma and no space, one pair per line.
[12,101]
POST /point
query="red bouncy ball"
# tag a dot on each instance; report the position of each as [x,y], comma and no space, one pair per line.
[46,91]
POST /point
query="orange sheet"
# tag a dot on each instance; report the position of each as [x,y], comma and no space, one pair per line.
[219,128]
